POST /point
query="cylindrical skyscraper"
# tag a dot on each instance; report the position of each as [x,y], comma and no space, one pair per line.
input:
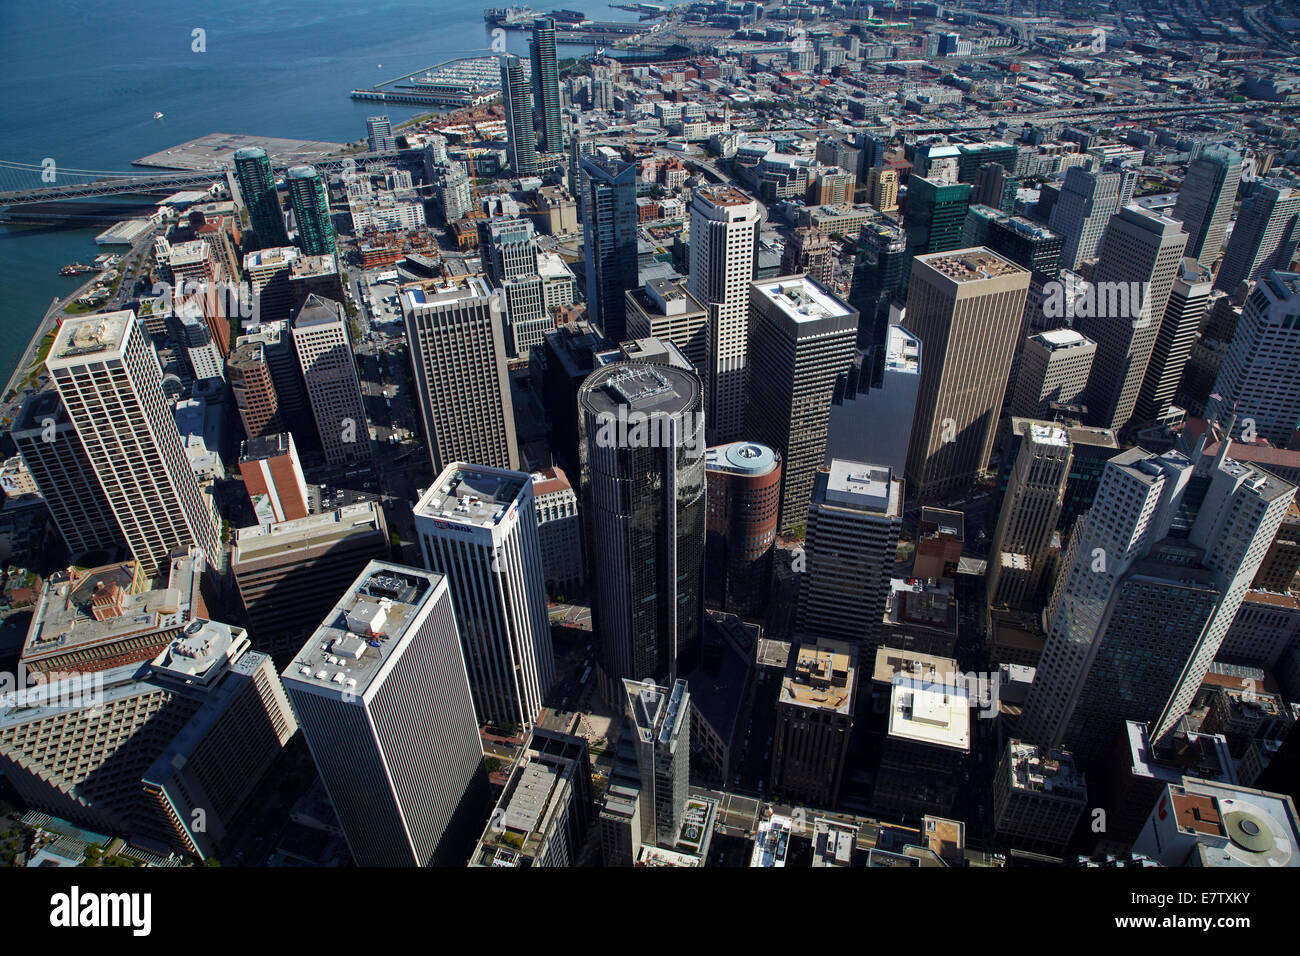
[642,450]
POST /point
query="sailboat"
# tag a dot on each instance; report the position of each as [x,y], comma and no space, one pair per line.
[157,116]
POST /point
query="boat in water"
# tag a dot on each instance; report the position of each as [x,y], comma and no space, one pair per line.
[157,116]
[76,268]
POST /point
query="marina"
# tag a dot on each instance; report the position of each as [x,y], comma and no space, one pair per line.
[467,81]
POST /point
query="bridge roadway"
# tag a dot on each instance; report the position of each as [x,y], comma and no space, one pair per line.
[128,183]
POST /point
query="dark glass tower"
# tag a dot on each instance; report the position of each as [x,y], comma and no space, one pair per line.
[936,217]
[609,221]
[877,279]
[517,101]
[311,210]
[257,186]
[546,85]
[643,455]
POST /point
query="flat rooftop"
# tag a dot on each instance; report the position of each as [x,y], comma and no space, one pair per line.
[265,446]
[472,494]
[200,652]
[1063,339]
[1052,772]
[822,677]
[930,713]
[858,486]
[428,297]
[902,351]
[276,257]
[282,537]
[972,265]
[640,387]
[90,335]
[360,633]
[801,298]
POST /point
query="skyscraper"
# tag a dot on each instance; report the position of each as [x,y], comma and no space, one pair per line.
[882,189]
[665,310]
[379,133]
[660,722]
[724,229]
[801,338]
[311,210]
[936,215]
[517,103]
[1053,370]
[879,275]
[1179,329]
[1089,197]
[854,519]
[288,572]
[808,251]
[609,221]
[1027,519]
[1205,201]
[512,252]
[814,720]
[478,526]
[458,354]
[253,387]
[108,377]
[1260,376]
[643,507]
[320,336]
[1135,272]
[381,693]
[1265,236]
[1151,580]
[257,187]
[744,481]
[546,84]
[57,460]
[874,421]
[965,307]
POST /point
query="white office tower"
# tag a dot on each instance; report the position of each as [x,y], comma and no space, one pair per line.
[329,371]
[1030,510]
[512,247]
[1260,376]
[1054,369]
[660,723]
[875,424]
[1179,330]
[58,463]
[458,354]
[110,382]
[724,229]
[801,339]
[478,526]
[1132,280]
[1089,197]
[1205,201]
[381,693]
[854,519]
[1153,576]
